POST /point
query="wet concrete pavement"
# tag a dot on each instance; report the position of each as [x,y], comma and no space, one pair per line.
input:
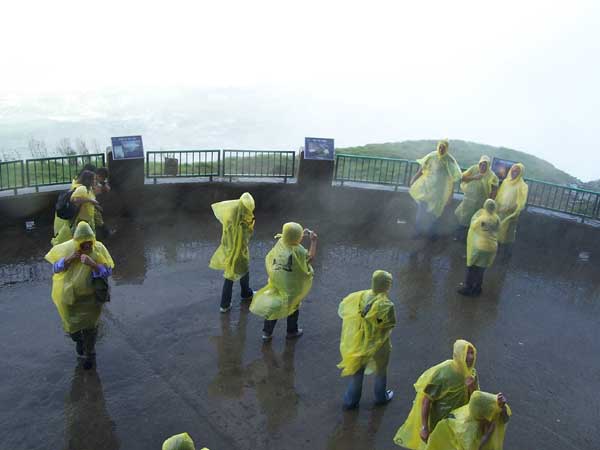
[168,361]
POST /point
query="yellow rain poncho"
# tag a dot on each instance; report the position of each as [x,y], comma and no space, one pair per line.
[462,430]
[62,227]
[475,191]
[290,276]
[237,218]
[482,240]
[368,319]
[511,200]
[445,385]
[436,184]
[72,290]
[181,441]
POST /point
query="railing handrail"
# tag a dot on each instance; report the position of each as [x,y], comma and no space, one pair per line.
[53,158]
[385,158]
[212,150]
[14,161]
[548,183]
[258,151]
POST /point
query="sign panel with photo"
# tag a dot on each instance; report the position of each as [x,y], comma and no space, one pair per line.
[127,147]
[501,167]
[318,148]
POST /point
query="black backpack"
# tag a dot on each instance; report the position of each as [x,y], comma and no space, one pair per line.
[64,208]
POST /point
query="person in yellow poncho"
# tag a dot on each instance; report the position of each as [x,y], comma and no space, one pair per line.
[482,245]
[76,263]
[479,425]
[440,389]
[368,319]
[290,279]
[432,186]
[478,184]
[511,200]
[233,255]
[84,197]
[181,441]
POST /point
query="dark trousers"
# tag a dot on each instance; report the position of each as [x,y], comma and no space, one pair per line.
[86,341]
[292,324]
[474,278]
[228,289]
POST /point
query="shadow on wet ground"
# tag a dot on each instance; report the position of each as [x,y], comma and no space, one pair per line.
[169,362]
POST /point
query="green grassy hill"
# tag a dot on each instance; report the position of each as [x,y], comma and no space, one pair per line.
[467,154]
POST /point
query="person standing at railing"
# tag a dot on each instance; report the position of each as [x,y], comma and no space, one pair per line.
[432,186]
[84,198]
[77,264]
[233,255]
[290,280]
[511,200]
[368,320]
[478,184]
[482,245]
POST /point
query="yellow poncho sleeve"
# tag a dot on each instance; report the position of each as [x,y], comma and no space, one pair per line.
[290,280]
[482,240]
[368,320]
[436,184]
[233,256]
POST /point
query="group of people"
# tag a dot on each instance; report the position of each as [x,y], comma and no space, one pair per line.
[449,410]
[487,213]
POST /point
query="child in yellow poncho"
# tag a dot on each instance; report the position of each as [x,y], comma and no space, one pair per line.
[75,264]
[368,319]
[511,200]
[479,425]
[440,389]
[233,255]
[432,186]
[181,441]
[482,245]
[478,184]
[290,279]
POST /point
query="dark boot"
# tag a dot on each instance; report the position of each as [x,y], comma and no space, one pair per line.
[478,281]
[467,288]
[78,339]
[89,348]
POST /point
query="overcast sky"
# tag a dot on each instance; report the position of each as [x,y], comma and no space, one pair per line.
[520,74]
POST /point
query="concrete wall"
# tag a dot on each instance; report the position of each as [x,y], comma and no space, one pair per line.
[386,210]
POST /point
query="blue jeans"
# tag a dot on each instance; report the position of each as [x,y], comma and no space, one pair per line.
[228,290]
[354,391]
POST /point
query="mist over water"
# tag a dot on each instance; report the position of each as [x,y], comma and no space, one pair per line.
[263,117]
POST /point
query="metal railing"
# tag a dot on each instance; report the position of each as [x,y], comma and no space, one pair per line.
[373,170]
[12,175]
[398,172]
[183,164]
[574,201]
[259,164]
[58,169]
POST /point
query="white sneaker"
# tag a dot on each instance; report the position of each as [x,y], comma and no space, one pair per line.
[224,310]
